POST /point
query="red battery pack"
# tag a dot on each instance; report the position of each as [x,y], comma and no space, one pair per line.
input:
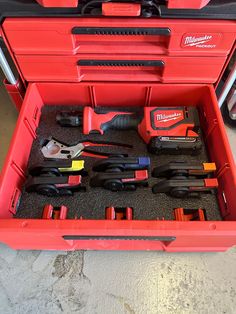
[168,122]
[171,129]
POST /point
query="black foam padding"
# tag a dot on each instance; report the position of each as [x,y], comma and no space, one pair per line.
[91,204]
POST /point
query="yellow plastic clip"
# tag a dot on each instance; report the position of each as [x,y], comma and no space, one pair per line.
[76,165]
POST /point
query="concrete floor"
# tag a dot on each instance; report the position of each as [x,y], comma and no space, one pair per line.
[112,282]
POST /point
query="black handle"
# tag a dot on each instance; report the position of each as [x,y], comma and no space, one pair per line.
[145,238]
[144,63]
[122,122]
[161,31]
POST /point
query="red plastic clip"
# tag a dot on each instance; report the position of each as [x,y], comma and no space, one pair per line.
[183,214]
[50,212]
[119,213]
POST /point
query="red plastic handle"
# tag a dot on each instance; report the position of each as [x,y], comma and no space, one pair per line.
[58,3]
[121,9]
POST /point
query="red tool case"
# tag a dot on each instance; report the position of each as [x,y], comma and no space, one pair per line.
[48,53]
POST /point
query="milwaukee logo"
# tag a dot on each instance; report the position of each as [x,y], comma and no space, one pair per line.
[168,117]
[201,40]
[195,41]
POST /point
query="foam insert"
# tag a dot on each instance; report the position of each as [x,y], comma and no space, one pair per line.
[91,204]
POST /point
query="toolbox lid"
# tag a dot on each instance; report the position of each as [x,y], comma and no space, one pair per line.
[215,9]
[181,4]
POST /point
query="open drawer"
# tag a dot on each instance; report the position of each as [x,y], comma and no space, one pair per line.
[22,229]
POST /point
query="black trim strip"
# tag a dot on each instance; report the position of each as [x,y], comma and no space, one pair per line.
[165,31]
[145,63]
[145,238]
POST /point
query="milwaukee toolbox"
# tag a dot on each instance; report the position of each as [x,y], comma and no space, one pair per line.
[120,143]
[178,9]
[75,50]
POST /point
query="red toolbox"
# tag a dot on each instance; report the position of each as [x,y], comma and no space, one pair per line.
[123,80]
[76,50]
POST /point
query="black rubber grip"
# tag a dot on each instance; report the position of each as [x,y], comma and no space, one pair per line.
[101,237]
[161,31]
[122,122]
[126,63]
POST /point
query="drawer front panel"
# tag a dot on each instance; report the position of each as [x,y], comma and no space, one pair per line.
[123,68]
[79,35]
